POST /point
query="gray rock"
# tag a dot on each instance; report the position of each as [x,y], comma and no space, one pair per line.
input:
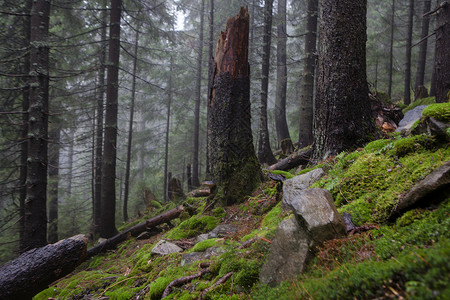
[316,210]
[289,253]
[435,128]
[196,256]
[303,181]
[434,187]
[164,247]
[201,237]
[410,118]
[222,230]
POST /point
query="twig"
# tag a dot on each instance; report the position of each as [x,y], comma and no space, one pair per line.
[183,280]
[218,282]
[118,283]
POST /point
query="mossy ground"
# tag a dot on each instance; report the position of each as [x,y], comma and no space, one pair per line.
[407,259]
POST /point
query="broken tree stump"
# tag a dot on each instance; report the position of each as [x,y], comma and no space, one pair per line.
[35,269]
[233,162]
[111,243]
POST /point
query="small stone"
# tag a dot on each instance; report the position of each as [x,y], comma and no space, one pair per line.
[164,247]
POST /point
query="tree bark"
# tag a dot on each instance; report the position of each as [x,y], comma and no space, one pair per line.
[53,177]
[265,154]
[24,132]
[280,102]
[99,131]
[198,83]
[234,165]
[108,190]
[420,75]
[35,222]
[130,129]
[166,152]
[34,270]
[391,50]
[343,116]
[442,53]
[407,86]
[307,97]
[112,242]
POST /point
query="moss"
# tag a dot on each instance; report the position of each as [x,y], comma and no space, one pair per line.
[203,245]
[194,226]
[287,175]
[157,287]
[438,111]
[249,275]
[219,212]
[413,144]
[423,101]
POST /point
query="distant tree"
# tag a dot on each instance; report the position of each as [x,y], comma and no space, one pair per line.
[166,153]
[234,165]
[307,97]
[53,177]
[265,154]
[210,76]
[391,49]
[198,83]
[407,86]
[442,53]
[343,118]
[35,222]
[420,74]
[283,136]
[108,190]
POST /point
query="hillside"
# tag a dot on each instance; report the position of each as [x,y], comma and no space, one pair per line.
[408,257]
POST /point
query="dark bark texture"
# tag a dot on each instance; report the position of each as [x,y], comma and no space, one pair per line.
[108,189]
[53,177]
[442,54]
[307,98]
[234,165]
[34,270]
[35,222]
[343,115]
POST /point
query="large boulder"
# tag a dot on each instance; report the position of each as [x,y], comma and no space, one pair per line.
[289,253]
[410,118]
[317,213]
[434,187]
[315,220]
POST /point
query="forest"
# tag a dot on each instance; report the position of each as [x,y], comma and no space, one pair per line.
[114,110]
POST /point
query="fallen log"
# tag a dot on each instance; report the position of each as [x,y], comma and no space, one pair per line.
[294,160]
[111,243]
[35,269]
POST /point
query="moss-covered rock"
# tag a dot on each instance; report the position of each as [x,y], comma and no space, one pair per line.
[438,111]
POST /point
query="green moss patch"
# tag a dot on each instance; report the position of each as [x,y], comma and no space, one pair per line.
[194,226]
[438,111]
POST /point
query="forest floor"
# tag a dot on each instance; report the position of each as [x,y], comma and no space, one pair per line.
[408,258]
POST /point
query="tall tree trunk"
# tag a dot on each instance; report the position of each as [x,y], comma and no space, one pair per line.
[234,165]
[99,131]
[391,50]
[343,118]
[70,162]
[442,53]
[53,177]
[407,86]
[420,75]
[210,78]
[166,153]
[108,190]
[265,154]
[130,129]
[280,102]
[24,132]
[198,82]
[35,222]
[307,97]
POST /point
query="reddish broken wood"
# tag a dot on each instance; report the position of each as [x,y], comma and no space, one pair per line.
[111,243]
[35,269]
[218,282]
[200,193]
[183,280]
[294,160]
